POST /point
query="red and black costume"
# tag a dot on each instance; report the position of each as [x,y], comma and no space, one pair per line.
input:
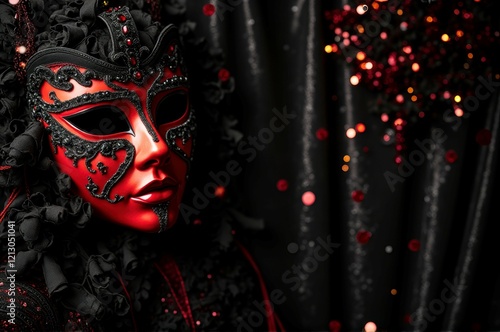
[97,165]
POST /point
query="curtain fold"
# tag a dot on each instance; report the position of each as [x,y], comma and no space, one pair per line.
[476,221]
[407,241]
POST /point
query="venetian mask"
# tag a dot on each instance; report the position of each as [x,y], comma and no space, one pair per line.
[123,129]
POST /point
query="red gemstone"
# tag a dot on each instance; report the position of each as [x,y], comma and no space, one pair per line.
[224,75]
[451,156]
[483,137]
[133,61]
[282,185]
[122,18]
[125,29]
[363,236]
[334,326]
[128,42]
[414,245]
[171,49]
[208,9]
[137,75]
[321,134]
[358,195]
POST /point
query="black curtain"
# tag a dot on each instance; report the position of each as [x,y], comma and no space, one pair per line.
[410,248]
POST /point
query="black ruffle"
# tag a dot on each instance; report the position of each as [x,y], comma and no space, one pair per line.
[26,147]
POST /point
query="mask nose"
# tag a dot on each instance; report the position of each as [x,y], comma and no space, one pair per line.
[150,153]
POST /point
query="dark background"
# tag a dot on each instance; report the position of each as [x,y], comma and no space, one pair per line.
[441,220]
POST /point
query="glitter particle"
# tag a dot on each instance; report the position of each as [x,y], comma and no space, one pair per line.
[370,327]
[358,196]
[321,134]
[308,198]
[360,128]
[414,245]
[334,326]
[220,191]
[282,185]
[451,156]
[224,75]
[350,133]
[363,236]
[21,49]
[208,9]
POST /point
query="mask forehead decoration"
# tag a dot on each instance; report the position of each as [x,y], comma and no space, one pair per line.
[134,75]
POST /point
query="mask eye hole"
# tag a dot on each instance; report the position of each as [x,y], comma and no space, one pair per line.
[171,108]
[101,120]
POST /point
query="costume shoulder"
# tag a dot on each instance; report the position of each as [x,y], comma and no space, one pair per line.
[27,308]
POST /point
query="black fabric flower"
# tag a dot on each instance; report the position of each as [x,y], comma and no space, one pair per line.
[7,27]
[54,277]
[75,297]
[31,226]
[99,268]
[25,260]
[175,7]
[26,147]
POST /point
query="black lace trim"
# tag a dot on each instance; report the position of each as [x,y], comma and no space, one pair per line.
[161,211]
[77,148]
[184,131]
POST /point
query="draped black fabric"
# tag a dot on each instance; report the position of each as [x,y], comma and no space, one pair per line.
[274,50]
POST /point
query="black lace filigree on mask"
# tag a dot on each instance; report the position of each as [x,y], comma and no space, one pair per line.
[75,147]
[183,131]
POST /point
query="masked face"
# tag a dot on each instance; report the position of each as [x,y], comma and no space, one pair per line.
[124,138]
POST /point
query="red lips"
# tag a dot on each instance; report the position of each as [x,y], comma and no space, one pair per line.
[156,191]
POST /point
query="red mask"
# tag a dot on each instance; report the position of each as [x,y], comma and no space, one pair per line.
[122,133]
